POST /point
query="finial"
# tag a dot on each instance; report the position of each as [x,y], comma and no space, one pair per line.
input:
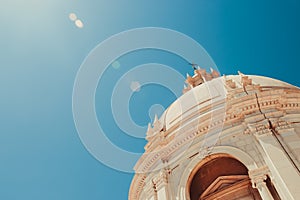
[149,126]
[240,73]
[214,73]
[194,65]
[155,119]
[149,130]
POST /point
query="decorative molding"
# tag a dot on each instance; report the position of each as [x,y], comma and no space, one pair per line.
[245,80]
[161,180]
[281,125]
[231,84]
[150,189]
[220,185]
[258,176]
[200,76]
[259,129]
[243,109]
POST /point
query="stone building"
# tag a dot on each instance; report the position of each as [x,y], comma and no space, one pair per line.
[229,137]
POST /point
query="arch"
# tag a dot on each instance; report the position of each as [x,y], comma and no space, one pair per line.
[229,151]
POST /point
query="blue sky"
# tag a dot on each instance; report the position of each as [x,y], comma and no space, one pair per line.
[41,155]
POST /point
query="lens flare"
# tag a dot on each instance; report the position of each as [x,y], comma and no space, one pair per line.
[72,16]
[79,23]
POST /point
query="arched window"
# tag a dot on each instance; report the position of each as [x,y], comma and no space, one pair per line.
[221,177]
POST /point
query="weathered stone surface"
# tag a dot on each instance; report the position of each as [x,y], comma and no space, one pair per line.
[247,117]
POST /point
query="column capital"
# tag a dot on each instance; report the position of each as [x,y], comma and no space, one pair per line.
[258,176]
[161,180]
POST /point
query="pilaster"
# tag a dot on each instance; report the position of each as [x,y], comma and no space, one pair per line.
[279,163]
[162,186]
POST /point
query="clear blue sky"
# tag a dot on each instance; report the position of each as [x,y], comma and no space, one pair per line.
[41,155]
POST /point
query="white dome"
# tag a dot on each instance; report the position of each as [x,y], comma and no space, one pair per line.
[208,92]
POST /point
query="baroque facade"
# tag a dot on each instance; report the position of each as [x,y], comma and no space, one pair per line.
[229,137]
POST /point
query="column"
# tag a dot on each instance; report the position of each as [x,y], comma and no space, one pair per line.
[162,188]
[258,177]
